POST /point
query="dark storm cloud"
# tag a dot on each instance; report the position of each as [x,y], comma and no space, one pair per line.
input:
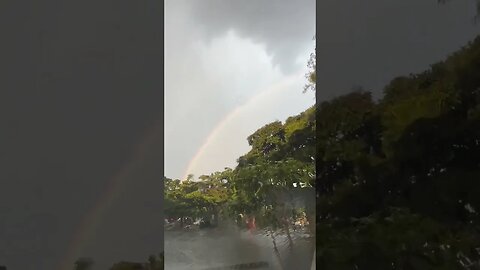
[79,87]
[367,43]
[280,25]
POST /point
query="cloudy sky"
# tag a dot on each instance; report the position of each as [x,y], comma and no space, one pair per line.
[230,68]
[367,43]
[233,66]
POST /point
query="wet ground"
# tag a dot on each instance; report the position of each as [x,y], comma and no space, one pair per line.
[211,248]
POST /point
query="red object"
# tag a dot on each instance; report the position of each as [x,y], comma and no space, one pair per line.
[251,224]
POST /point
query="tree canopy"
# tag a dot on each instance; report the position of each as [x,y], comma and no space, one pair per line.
[280,161]
[397,179]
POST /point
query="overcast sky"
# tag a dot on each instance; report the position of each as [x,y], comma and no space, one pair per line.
[367,43]
[230,68]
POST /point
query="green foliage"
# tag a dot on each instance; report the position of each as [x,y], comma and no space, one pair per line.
[312,72]
[128,266]
[396,239]
[196,199]
[398,179]
[84,264]
[154,263]
[281,160]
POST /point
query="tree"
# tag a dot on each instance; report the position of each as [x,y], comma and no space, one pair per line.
[84,264]
[154,263]
[398,179]
[312,73]
[128,266]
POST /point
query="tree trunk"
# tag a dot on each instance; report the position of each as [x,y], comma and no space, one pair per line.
[310,211]
[215,216]
[287,230]
[310,215]
[275,249]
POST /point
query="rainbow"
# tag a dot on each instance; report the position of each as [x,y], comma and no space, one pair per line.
[91,220]
[234,113]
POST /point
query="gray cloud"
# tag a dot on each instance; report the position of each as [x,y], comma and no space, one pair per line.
[282,26]
[367,43]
